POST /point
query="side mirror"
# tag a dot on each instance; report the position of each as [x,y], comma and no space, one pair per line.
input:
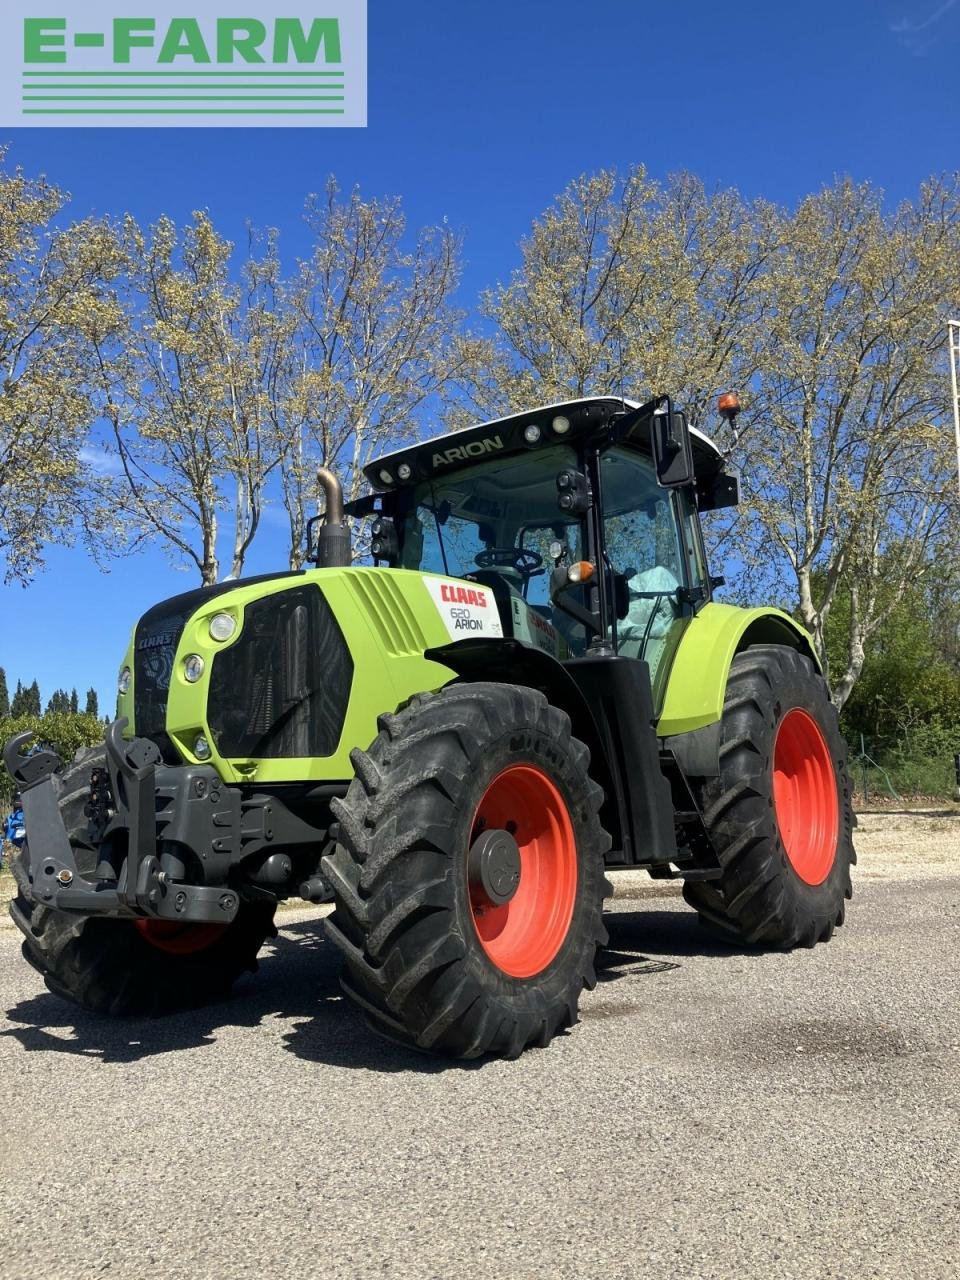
[672,451]
[718,491]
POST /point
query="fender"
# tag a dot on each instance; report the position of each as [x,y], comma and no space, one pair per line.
[510,662]
[701,665]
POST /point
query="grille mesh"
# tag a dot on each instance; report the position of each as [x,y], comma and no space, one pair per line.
[282,690]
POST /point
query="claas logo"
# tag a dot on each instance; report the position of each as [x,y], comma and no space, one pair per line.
[462,595]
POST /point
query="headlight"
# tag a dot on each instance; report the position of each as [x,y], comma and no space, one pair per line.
[222,626]
[201,747]
[193,668]
[123,681]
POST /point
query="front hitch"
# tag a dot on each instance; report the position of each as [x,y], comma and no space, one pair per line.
[52,865]
[141,889]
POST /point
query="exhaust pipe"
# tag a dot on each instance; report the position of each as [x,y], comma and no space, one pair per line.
[333,540]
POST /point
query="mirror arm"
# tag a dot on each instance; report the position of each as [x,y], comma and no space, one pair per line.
[558,596]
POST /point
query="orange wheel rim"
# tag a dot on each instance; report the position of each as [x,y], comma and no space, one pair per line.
[179,939]
[522,936]
[805,796]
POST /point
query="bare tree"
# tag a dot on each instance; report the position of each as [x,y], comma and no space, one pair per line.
[848,473]
[629,286]
[183,389]
[53,285]
[370,337]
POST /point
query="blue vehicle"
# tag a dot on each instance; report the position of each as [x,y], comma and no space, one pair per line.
[13,828]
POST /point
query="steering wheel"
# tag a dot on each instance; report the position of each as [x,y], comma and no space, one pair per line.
[522,559]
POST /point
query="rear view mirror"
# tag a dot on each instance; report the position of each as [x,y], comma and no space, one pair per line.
[672,451]
[717,491]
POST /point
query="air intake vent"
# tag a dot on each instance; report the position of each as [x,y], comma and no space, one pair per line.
[386,606]
[281,691]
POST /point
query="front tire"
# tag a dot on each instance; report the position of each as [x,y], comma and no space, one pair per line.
[125,966]
[780,813]
[444,952]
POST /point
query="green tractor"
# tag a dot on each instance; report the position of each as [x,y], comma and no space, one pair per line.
[530,687]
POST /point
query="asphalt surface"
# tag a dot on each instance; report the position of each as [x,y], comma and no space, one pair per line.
[715,1114]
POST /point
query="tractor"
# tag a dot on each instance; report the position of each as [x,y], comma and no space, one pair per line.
[530,687]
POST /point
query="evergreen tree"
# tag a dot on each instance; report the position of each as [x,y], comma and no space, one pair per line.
[59,703]
[92,708]
[4,695]
[74,702]
[18,705]
[32,696]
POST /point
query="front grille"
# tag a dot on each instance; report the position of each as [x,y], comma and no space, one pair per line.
[154,648]
[282,690]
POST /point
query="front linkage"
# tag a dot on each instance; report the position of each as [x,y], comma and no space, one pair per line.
[149,820]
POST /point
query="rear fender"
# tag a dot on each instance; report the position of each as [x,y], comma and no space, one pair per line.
[693,705]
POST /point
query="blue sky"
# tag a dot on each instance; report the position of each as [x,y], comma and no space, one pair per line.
[481,113]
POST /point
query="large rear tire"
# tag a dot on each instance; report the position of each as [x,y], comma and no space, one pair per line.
[125,966]
[469,796]
[780,812]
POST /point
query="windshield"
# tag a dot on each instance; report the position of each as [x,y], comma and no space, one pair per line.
[500,516]
[498,523]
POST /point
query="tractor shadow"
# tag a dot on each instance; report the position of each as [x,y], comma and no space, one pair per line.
[297,991]
[645,943]
[296,994]
[668,934]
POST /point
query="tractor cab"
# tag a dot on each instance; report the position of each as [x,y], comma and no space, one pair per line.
[580,519]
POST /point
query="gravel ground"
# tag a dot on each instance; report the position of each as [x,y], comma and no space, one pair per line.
[715,1114]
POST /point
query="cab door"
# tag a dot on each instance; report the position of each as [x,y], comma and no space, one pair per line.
[651,547]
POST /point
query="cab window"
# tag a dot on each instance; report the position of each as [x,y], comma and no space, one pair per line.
[645,548]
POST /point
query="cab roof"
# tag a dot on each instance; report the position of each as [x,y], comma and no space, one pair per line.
[445,454]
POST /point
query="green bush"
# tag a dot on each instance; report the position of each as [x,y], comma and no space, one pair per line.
[920,763]
[63,732]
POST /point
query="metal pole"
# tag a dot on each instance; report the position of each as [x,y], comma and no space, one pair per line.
[953,342]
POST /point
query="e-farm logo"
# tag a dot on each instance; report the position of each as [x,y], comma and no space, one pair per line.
[96,63]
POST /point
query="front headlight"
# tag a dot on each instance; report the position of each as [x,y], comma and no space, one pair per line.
[193,668]
[222,626]
[123,681]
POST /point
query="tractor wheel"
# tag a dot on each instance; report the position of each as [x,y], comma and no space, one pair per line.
[780,812]
[126,966]
[468,878]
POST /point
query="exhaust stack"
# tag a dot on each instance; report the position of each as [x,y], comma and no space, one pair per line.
[333,540]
